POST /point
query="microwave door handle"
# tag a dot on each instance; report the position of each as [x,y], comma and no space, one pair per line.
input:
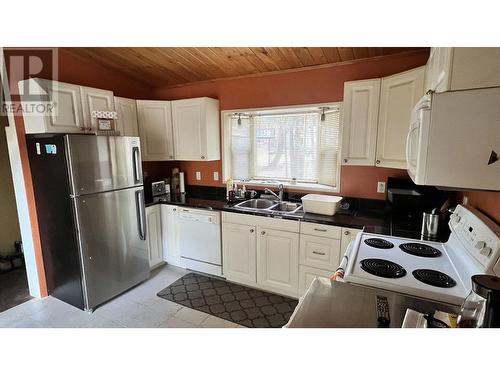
[140,210]
[135,161]
[413,127]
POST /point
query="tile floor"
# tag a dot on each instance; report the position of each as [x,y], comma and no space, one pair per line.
[136,308]
[13,288]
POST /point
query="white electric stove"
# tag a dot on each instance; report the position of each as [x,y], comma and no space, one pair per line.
[431,270]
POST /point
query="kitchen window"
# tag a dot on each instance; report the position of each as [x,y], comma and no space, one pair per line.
[298,145]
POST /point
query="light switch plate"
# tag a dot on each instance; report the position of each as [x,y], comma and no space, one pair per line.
[198,176]
[380,187]
[216,176]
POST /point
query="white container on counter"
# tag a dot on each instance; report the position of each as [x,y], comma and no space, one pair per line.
[320,204]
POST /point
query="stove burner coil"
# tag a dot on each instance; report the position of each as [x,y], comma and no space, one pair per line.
[379,243]
[383,268]
[434,278]
[420,250]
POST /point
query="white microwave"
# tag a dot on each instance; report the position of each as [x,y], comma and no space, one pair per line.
[454,140]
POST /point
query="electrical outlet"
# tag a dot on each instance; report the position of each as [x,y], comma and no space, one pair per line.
[216,176]
[198,176]
[380,187]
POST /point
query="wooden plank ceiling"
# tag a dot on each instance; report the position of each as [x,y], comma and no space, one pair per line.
[170,66]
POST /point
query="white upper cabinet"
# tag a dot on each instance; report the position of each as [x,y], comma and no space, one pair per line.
[278,261]
[126,122]
[196,129]
[66,117]
[450,69]
[95,100]
[398,95]
[360,116]
[155,129]
[376,118]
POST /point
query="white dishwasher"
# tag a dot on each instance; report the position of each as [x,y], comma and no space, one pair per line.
[200,240]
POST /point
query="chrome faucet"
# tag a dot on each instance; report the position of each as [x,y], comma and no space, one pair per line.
[280,192]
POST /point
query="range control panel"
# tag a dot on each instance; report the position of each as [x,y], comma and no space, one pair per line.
[479,235]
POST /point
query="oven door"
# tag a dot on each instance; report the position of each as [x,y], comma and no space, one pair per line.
[416,140]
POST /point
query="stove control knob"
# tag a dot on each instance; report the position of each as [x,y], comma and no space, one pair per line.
[455,218]
[480,244]
[486,251]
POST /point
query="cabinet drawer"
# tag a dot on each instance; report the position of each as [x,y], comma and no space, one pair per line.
[319,252]
[267,222]
[321,230]
[307,275]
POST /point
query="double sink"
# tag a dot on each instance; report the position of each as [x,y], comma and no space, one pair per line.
[269,206]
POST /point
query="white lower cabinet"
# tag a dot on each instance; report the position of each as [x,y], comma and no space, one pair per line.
[239,253]
[308,274]
[320,252]
[154,235]
[278,261]
[281,256]
[171,250]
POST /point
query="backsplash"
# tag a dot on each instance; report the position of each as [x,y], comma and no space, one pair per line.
[488,202]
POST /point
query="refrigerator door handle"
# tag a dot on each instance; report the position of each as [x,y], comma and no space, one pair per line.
[135,156]
[141,213]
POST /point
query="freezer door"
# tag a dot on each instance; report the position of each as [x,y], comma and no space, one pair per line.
[103,163]
[112,239]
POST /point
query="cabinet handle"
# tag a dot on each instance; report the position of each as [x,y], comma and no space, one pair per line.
[263,232]
[378,162]
[251,230]
[170,157]
[319,230]
[318,252]
[345,160]
[346,232]
[203,157]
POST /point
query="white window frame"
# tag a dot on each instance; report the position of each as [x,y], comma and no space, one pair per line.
[260,184]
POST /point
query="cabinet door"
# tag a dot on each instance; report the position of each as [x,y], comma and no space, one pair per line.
[155,250]
[155,129]
[398,95]
[95,100]
[189,129]
[359,126]
[438,69]
[348,235]
[171,251]
[67,116]
[126,121]
[239,253]
[308,274]
[278,261]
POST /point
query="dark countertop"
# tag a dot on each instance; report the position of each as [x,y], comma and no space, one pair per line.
[372,221]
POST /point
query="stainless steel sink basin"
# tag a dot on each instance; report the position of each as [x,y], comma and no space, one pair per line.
[269,206]
[256,204]
[285,207]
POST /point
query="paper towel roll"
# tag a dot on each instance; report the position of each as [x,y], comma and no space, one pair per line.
[181,183]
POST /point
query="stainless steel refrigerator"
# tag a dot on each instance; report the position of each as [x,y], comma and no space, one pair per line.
[90,208]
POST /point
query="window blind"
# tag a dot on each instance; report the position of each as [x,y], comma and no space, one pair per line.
[284,146]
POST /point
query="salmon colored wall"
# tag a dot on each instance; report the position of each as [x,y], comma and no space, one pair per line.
[488,202]
[299,87]
[71,70]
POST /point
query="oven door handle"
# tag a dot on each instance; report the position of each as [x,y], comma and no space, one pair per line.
[340,271]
